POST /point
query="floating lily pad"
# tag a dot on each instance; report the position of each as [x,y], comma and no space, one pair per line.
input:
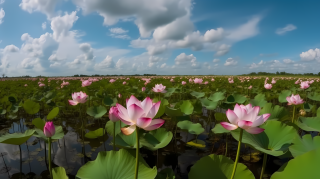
[193,128]
[95,134]
[197,143]
[16,138]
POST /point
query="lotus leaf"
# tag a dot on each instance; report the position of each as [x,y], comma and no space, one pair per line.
[218,129]
[210,105]
[277,112]
[197,94]
[96,111]
[31,107]
[58,135]
[186,107]
[218,96]
[283,95]
[95,134]
[166,173]
[304,144]
[16,138]
[309,123]
[59,173]
[53,113]
[236,98]
[39,123]
[191,127]
[110,128]
[157,139]
[197,143]
[259,100]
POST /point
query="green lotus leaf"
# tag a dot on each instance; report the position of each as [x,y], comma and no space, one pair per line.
[274,140]
[180,118]
[162,108]
[116,165]
[218,166]
[309,123]
[95,134]
[53,113]
[197,106]
[318,112]
[236,98]
[304,144]
[314,96]
[277,112]
[16,138]
[31,107]
[173,112]
[197,143]
[39,123]
[259,100]
[307,107]
[156,139]
[302,166]
[210,105]
[127,141]
[58,135]
[166,173]
[110,128]
[96,111]
[218,96]
[283,95]
[186,107]
[218,129]
[3,111]
[108,101]
[59,173]
[220,117]
[193,128]
[197,94]
[169,92]
[12,99]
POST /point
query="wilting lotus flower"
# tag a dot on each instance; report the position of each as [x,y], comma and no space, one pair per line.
[304,85]
[79,97]
[139,114]
[112,80]
[245,117]
[198,80]
[114,114]
[294,99]
[25,85]
[268,86]
[124,82]
[41,84]
[250,87]
[183,82]
[159,88]
[49,129]
[143,89]
[119,95]
[86,83]
[206,83]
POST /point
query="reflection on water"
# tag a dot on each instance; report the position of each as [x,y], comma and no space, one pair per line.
[71,152]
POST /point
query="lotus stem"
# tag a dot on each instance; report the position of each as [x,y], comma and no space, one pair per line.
[20,162]
[226,145]
[294,108]
[114,136]
[238,152]
[137,154]
[49,156]
[264,164]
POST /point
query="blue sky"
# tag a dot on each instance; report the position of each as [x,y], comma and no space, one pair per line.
[200,37]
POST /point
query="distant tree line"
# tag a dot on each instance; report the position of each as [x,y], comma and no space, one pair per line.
[282,73]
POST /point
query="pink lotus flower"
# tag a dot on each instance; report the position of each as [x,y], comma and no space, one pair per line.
[245,117]
[206,83]
[124,82]
[294,99]
[112,80]
[231,81]
[159,88]
[183,82]
[273,81]
[25,85]
[198,80]
[212,79]
[114,114]
[86,83]
[49,129]
[119,95]
[190,80]
[139,114]
[268,86]
[304,85]
[77,98]
[143,89]
[64,83]
[250,87]
[41,84]
[171,80]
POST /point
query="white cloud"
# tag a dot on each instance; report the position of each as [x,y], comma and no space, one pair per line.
[45,6]
[214,35]
[216,60]
[106,63]
[124,36]
[2,14]
[186,60]
[44,25]
[2,1]
[10,48]
[155,50]
[149,14]
[120,63]
[246,30]
[118,30]
[88,52]
[310,55]
[254,65]
[231,62]
[222,50]
[61,25]
[193,41]
[288,61]
[55,58]
[163,65]
[288,28]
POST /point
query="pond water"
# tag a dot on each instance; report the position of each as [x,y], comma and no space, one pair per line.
[71,152]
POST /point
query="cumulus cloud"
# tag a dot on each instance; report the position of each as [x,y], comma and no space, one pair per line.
[246,30]
[44,25]
[288,61]
[216,60]
[231,62]
[45,6]
[155,50]
[214,35]
[118,30]
[254,65]
[149,14]
[11,48]
[106,63]
[61,25]
[2,14]
[2,1]
[287,28]
[123,36]
[120,63]
[222,50]
[310,55]
[87,52]
[163,65]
